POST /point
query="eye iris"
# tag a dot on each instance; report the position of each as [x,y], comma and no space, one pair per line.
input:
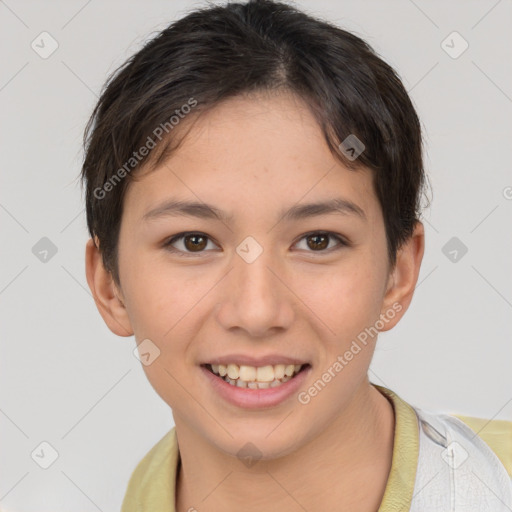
[195,246]
[316,244]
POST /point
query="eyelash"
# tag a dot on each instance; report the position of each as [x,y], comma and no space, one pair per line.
[167,245]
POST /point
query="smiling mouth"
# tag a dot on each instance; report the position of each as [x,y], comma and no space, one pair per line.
[252,377]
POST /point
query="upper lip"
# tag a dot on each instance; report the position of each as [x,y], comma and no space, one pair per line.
[247,360]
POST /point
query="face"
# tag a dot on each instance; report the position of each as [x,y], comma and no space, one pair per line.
[258,280]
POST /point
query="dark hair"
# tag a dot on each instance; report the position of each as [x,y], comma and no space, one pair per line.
[218,52]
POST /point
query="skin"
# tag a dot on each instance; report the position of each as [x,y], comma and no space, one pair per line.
[252,156]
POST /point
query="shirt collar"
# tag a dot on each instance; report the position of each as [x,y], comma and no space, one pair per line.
[153,483]
[400,485]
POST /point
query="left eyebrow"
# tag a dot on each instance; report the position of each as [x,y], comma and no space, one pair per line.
[206,211]
[337,205]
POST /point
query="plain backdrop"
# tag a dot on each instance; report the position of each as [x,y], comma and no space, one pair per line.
[66,380]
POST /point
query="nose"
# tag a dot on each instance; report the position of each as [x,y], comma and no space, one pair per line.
[256,297]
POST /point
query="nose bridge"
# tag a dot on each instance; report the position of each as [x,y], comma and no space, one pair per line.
[255,282]
[255,277]
[255,299]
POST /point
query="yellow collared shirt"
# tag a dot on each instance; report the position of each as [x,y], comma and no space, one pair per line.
[440,462]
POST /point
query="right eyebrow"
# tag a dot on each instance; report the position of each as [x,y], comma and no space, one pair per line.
[174,207]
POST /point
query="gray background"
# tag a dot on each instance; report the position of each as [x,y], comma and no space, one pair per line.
[67,380]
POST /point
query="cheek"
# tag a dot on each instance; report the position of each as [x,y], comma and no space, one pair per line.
[349,298]
[157,296]
[160,310]
[350,306]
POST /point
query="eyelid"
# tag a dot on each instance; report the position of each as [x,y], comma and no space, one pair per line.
[342,242]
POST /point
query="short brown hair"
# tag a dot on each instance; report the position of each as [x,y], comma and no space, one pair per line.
[218,52]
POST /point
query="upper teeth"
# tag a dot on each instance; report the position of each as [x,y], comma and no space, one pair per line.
[256,374]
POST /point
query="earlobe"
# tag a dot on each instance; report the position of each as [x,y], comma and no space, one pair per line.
[105,293]
[402,281]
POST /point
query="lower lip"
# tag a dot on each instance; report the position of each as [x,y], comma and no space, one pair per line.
[256,398]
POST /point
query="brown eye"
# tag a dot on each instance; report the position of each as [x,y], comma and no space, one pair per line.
[318,241]
[195,243]
[189,244]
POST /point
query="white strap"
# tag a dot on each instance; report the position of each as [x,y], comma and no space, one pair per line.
[457,471]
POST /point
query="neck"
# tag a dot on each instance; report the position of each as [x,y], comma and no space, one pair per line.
[352,451]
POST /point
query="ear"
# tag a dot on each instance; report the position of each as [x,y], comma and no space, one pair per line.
[105,291]
[403,278]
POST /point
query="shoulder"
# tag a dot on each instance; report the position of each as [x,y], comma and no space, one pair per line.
[497,434]
[456,462]
[151,482]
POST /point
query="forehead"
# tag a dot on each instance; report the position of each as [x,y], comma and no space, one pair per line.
[254,153]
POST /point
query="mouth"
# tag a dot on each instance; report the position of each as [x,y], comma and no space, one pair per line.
[256,377]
